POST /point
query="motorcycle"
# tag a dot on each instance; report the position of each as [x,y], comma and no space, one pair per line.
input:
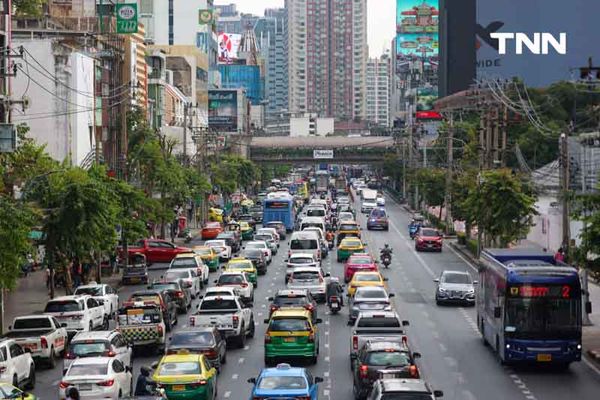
[386,260]
[412,230]
[334,304]
[188,236]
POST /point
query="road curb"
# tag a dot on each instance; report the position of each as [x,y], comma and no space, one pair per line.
[594,355]
[463,252]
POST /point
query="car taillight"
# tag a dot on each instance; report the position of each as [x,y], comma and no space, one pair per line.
[106,383]
[44,343]
[414,372]
[309,307]
[179,294]
[267,338]
[311,337]
[289,253]
[210,353]
[363,371]
[333,298]
[64,385]
[235,320]
[405,340]
[195,385]
[355,342]
[76,316]
[160,330]
[274,307]
[109,353]
[2,370]
[266,253]
[69,356]
[244,285]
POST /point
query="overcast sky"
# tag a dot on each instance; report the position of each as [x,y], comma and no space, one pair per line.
[381,23]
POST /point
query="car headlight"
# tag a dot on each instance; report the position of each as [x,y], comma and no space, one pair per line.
[441,290]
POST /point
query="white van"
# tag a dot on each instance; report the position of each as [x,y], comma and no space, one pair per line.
[305,242]
[318,222]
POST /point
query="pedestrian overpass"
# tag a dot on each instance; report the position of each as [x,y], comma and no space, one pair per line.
[310,149]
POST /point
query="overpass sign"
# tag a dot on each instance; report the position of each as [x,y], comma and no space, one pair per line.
[323,154]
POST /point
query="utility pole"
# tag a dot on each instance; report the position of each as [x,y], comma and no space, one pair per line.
[186,107]
[450,158]
[564,185]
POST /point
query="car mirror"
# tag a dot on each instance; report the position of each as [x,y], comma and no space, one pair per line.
[216,280]
[318,379]
[64,325]
[475,282]
[497,312]
[588,307]
[266,320]
[10,327]
[405,323]
[319,320]
[128,369]
[249,305]
[27,350]
[251,380]
[386,279]
[327,274]
[391,295]
[438,393]
[416,355]
[154,365]
[271,298]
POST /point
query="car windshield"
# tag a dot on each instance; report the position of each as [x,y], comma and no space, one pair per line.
[88,348]
[387,358]
[231,279]
[62,306]
[366,278]
[304,244]
[305,275]
[315,212]
[165,286]
[263,237]
[360,260]
[301,260]
[289,325]
[202,252]
[377,213]
[369,294]
[344,216]
[87,369]
[92,290]
[348,227]
[218,304]
[456,278]
[170,275]
[255,246]
[187,262]
[193,339]
[282,383]
[32,323]
[405,396]
[239,265]
[351,243]
[429,233]
[217,243]
[552,318]
[179,368]
[378,322]
[288,301]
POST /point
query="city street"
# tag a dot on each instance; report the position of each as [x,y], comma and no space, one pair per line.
[454,357]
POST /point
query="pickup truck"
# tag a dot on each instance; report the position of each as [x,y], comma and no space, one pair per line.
[156,250]
[225,312]
[79,313]
[376,326]
[141,323]
[43,335]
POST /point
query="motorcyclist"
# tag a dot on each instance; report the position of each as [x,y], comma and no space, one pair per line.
[143,382]
[329,236]
[386,251]
[334,288]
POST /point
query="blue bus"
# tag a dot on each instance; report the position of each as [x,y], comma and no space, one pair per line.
[529,307]
[280,208]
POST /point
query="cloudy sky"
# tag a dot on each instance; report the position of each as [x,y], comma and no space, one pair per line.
[381,23]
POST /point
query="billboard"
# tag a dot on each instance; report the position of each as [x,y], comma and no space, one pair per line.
[577,18]
[425,98]
[417,26]
[229,44]
[322,154]
[222,110]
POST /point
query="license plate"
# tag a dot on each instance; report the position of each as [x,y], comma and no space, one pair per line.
[178,388]
[85,386]
[335,305]
[289,340]
[544,357]
[134,279]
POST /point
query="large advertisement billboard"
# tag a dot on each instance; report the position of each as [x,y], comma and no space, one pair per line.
[426,96]
[229,44]
[417,26]
[222,110]
[577,18]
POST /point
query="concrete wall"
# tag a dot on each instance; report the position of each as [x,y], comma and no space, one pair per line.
[83,81]
[323,126]
[547,231]
[299,126]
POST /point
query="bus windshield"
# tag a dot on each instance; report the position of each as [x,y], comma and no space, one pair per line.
[545,318]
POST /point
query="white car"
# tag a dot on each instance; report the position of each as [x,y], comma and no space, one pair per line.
[221,290]
[98,344]
[220,247]
[345,216]
[103,292]
[262,245]
[367,207]
[270,239]
[239,281]
[79,313]
[380,201]
[16,365]
[311,279]
[299,260]
[191,260]
[97,378]
[269,230]
[189,276]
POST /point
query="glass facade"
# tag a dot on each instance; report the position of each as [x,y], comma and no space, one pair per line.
[245,77]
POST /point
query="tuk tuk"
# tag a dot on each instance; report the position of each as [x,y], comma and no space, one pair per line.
[136,270]
[215,215]
[142,325]
[235,228]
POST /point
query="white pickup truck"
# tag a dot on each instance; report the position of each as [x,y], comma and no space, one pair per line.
[80,313]
[43,335]
[226,313]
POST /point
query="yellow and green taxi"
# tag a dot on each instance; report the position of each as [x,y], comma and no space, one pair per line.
[240,264]
[8,391]
[291,333]
[209,256]
[247,230]
[366,278]
[215,214]
[349,246]
[347,229]
[186,376]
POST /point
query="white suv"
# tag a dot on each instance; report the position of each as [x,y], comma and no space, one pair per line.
[16,365]
[239,281]
[99,344]
[80,313]
[102,292]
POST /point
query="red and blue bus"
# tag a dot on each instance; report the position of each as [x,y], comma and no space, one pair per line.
[529,307]
[280,208]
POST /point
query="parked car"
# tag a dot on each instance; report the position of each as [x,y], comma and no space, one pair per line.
[157,250]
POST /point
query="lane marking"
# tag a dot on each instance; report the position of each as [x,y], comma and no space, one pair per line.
[234,376]
[417,255]
[241,361]
[226,395]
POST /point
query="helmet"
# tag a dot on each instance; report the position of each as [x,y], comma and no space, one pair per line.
[387,246]
[145,370]
[334,279]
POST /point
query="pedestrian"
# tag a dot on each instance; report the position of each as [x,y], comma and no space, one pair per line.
[72,393]
[48,278]
[559,256]
[76,272]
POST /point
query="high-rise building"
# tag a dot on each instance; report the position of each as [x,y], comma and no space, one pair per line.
[231,21]
[378,91]
[271,33]
[327,42]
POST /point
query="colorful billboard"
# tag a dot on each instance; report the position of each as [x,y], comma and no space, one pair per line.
[229,44]
[417,26]
[222,110]
[425,98]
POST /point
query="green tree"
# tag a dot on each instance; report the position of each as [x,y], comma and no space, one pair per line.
[432,182]
[29,8]
[586,208]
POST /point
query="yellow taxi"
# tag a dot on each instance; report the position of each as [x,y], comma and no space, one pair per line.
[209,256]
[347,229]
[186,376]
[364,279]
[8,391]
[349,246]
[291,333]
[240,264]
[247,230]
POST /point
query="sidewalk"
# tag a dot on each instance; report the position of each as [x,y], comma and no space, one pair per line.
[591,334]
[30,295]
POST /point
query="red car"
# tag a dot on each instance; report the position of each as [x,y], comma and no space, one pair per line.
[358,263]
[211,230]
[428,239]
[157,250]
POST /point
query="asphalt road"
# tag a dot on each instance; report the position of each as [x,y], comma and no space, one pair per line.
[454,357]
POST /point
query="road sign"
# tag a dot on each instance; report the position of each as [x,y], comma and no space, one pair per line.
[127,18]
[322,154]
[205,17]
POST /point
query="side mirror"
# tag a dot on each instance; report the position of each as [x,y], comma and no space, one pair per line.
[436,280]
[438,393]
[318,379]
[128,369]
[327,275]
[386,279]
[251,380]
[376,261]
[249,305]
[475,282]
[266,320]
[27,350]
[416,355]
[63,325]
[391,295]
[216,280]
[271,298]
[154,365]
[319,320]
[497,312]
[405,323]
[588,307]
